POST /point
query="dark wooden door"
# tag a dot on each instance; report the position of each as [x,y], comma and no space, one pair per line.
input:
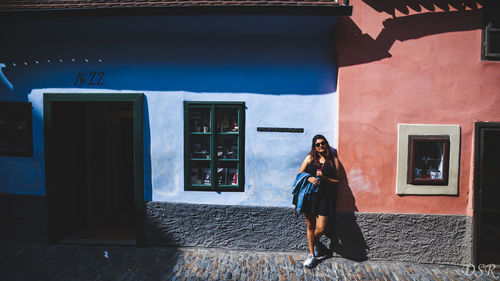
[76,147]
[487,188]
[66,129]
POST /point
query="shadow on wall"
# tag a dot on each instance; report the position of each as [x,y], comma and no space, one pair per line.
[148,175]
[355,47]
[231,54]
[23,217]
[158,230]
[404,6]
[345,235]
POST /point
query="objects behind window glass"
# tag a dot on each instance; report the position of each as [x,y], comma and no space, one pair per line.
[199,120]
[428,160]
[227,147]
[227,174]
[227,120]
[200,173]
[200,146]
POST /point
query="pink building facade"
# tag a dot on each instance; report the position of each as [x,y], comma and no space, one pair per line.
[416,64]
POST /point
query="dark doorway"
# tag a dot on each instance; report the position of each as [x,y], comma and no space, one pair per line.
[487,193]
[91,170]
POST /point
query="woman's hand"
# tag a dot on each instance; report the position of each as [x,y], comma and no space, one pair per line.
[313,180]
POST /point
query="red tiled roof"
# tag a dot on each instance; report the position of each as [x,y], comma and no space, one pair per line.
[39,5]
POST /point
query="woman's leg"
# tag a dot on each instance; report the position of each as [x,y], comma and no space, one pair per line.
[311,230]
[321,222]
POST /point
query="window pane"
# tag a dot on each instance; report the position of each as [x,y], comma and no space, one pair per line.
[20,142]
[4,119]
[227,146]
[4,140]
[227,173]
[495,23]
[494,42]
[200,173]
[4,128]
[200,146]
[428,161]
[199,120]
[20,125]
[227,120]
[16,137]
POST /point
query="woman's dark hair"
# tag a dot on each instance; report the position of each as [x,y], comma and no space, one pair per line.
[315,155]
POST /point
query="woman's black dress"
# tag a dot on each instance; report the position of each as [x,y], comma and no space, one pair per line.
[324,201]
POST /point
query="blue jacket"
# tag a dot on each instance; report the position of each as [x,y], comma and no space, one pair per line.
[301,189]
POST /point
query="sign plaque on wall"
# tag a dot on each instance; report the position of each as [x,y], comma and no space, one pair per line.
[280,130]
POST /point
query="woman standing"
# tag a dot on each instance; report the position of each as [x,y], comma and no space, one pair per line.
[322,164]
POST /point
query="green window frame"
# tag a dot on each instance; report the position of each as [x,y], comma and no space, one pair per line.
[214,146]
[16,132]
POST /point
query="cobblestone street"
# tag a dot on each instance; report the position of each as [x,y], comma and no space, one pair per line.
[38,261]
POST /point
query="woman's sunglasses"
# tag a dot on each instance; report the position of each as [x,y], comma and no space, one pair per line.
[323,143]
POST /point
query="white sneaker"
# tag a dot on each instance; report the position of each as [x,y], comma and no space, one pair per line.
[309,262]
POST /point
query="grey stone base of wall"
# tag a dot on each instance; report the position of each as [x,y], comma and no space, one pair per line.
[420,238]
[445,239]
[23,217]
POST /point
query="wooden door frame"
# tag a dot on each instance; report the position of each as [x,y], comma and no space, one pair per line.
[478,127]
[138,159]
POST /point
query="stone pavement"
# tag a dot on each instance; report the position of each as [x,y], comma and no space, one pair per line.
[38,261]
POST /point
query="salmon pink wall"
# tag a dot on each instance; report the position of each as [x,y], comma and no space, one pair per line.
[416,65]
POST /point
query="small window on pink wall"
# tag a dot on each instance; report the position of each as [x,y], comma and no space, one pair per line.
[428,160]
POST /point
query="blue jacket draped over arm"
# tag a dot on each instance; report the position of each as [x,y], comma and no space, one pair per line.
[302,189]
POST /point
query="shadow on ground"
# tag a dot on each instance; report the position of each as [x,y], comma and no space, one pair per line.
[346,238]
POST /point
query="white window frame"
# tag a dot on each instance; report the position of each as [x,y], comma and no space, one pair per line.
[402,185]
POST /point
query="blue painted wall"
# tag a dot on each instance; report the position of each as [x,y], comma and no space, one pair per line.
[270,55]
[281,66]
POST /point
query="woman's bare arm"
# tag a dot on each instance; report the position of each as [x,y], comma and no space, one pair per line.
[303,167]
[305,163]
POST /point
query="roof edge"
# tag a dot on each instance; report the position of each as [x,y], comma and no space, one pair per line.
[331,10]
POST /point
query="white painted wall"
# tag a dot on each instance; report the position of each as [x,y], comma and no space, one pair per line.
[272,160]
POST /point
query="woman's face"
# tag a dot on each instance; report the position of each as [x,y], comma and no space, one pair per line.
[320,145]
